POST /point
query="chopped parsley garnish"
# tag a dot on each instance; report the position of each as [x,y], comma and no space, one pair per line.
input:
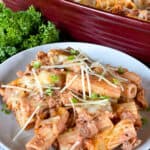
[120,70]
[36,64]
[49,91]
[144,121]
[94,96]
[5,109]
[74,100]
[71,57]
[104,97]
[97,96]
[116,81]
[74,52]
[54,78]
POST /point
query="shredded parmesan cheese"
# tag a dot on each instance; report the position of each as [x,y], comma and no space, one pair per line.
[67,85]
[121,87]
[83,55]
[98,102]
[83,82]
[52,87]
[97,64]
[103,78]
[26,124]
[80,99]
[88,81]
[112,68]
[117,76]
[77,60]
[61,66]
[74,146]
[37,82]
[107,81]
[15,87]
[73,107]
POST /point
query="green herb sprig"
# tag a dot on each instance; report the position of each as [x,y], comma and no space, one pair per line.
[74,100]
[120,70]
[36,64]
[49,91]
[54,78]
[95,96]
[74,52]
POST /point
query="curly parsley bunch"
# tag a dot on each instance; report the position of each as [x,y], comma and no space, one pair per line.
[23,29]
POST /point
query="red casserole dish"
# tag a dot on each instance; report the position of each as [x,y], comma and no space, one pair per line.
[90,25]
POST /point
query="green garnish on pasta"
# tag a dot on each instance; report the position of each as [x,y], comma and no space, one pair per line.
[5,109]
[74,52]
[116,81]
[49,91]
[54,78]
[120,70]
[94,96]
[74,100]
[71,57]
[36,64]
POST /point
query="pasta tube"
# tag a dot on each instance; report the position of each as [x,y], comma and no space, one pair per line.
[133,77]
[130,90]
[99,87]
[121,133]
[48,130]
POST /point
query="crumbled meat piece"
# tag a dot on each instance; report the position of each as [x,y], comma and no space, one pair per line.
[54,100]
[66,96]
[90,125]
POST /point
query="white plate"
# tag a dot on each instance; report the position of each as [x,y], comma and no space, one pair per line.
[8,125]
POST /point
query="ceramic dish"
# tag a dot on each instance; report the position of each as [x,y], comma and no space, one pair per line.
[87,24]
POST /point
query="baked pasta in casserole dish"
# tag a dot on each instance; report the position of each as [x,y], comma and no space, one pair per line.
[138,9]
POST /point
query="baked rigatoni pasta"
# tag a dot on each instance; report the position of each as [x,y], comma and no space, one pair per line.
[73,102]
